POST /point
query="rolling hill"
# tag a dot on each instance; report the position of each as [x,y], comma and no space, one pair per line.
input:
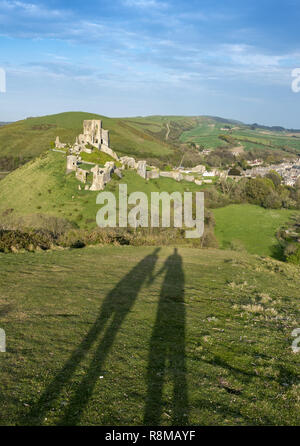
[33,136]
[153,137]
[42,187]
[208,131]
[127,335]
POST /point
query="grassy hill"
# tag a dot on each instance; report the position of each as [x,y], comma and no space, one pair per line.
[250,227]
[34,135]
[42,187]
[132,336]
[159,137]
[141,335]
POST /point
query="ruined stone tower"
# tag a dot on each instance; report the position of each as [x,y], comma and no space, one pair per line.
[94,134]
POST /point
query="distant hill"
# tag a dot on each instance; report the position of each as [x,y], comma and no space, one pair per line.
[254,126]
[155,138]
[272,128]
[33,136]
[224,120]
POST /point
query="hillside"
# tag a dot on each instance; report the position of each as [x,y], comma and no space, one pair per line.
[130,335]
[211,133]
[113,325]
[33,136]
[42,187]
[155,137]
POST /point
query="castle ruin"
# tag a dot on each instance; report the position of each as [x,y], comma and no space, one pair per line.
[94,134]
[94,137]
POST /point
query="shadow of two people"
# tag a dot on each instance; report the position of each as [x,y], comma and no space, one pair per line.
[167,343]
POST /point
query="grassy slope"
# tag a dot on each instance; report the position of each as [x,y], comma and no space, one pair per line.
[33,136]
[207,132]
[153,136]
[252,227]
[91,336]
[42,186]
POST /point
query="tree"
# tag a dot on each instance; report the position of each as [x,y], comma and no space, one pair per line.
[275,177]
[235,172]
[258,191]
[272,201]
[243,164]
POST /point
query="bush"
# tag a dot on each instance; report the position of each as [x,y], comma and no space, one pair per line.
[9,163]
[235,172]
[215,199]
[274,177]
[272,201]
[291,249]
[209,239]
[78,244]
[294,258]
[258,191]
[11,241]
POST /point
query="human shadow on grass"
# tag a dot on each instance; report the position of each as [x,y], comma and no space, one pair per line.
[167,349]
[115,308]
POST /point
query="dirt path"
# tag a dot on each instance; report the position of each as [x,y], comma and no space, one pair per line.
[168,131]
[238,149]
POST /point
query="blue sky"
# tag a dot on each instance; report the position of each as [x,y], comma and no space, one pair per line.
[142,57]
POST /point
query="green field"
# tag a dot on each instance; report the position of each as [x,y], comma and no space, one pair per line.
[250,227]
[206,132]
[132,336]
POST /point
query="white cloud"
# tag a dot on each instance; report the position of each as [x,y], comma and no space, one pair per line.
[157,4]
[29,9]
[180,55]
